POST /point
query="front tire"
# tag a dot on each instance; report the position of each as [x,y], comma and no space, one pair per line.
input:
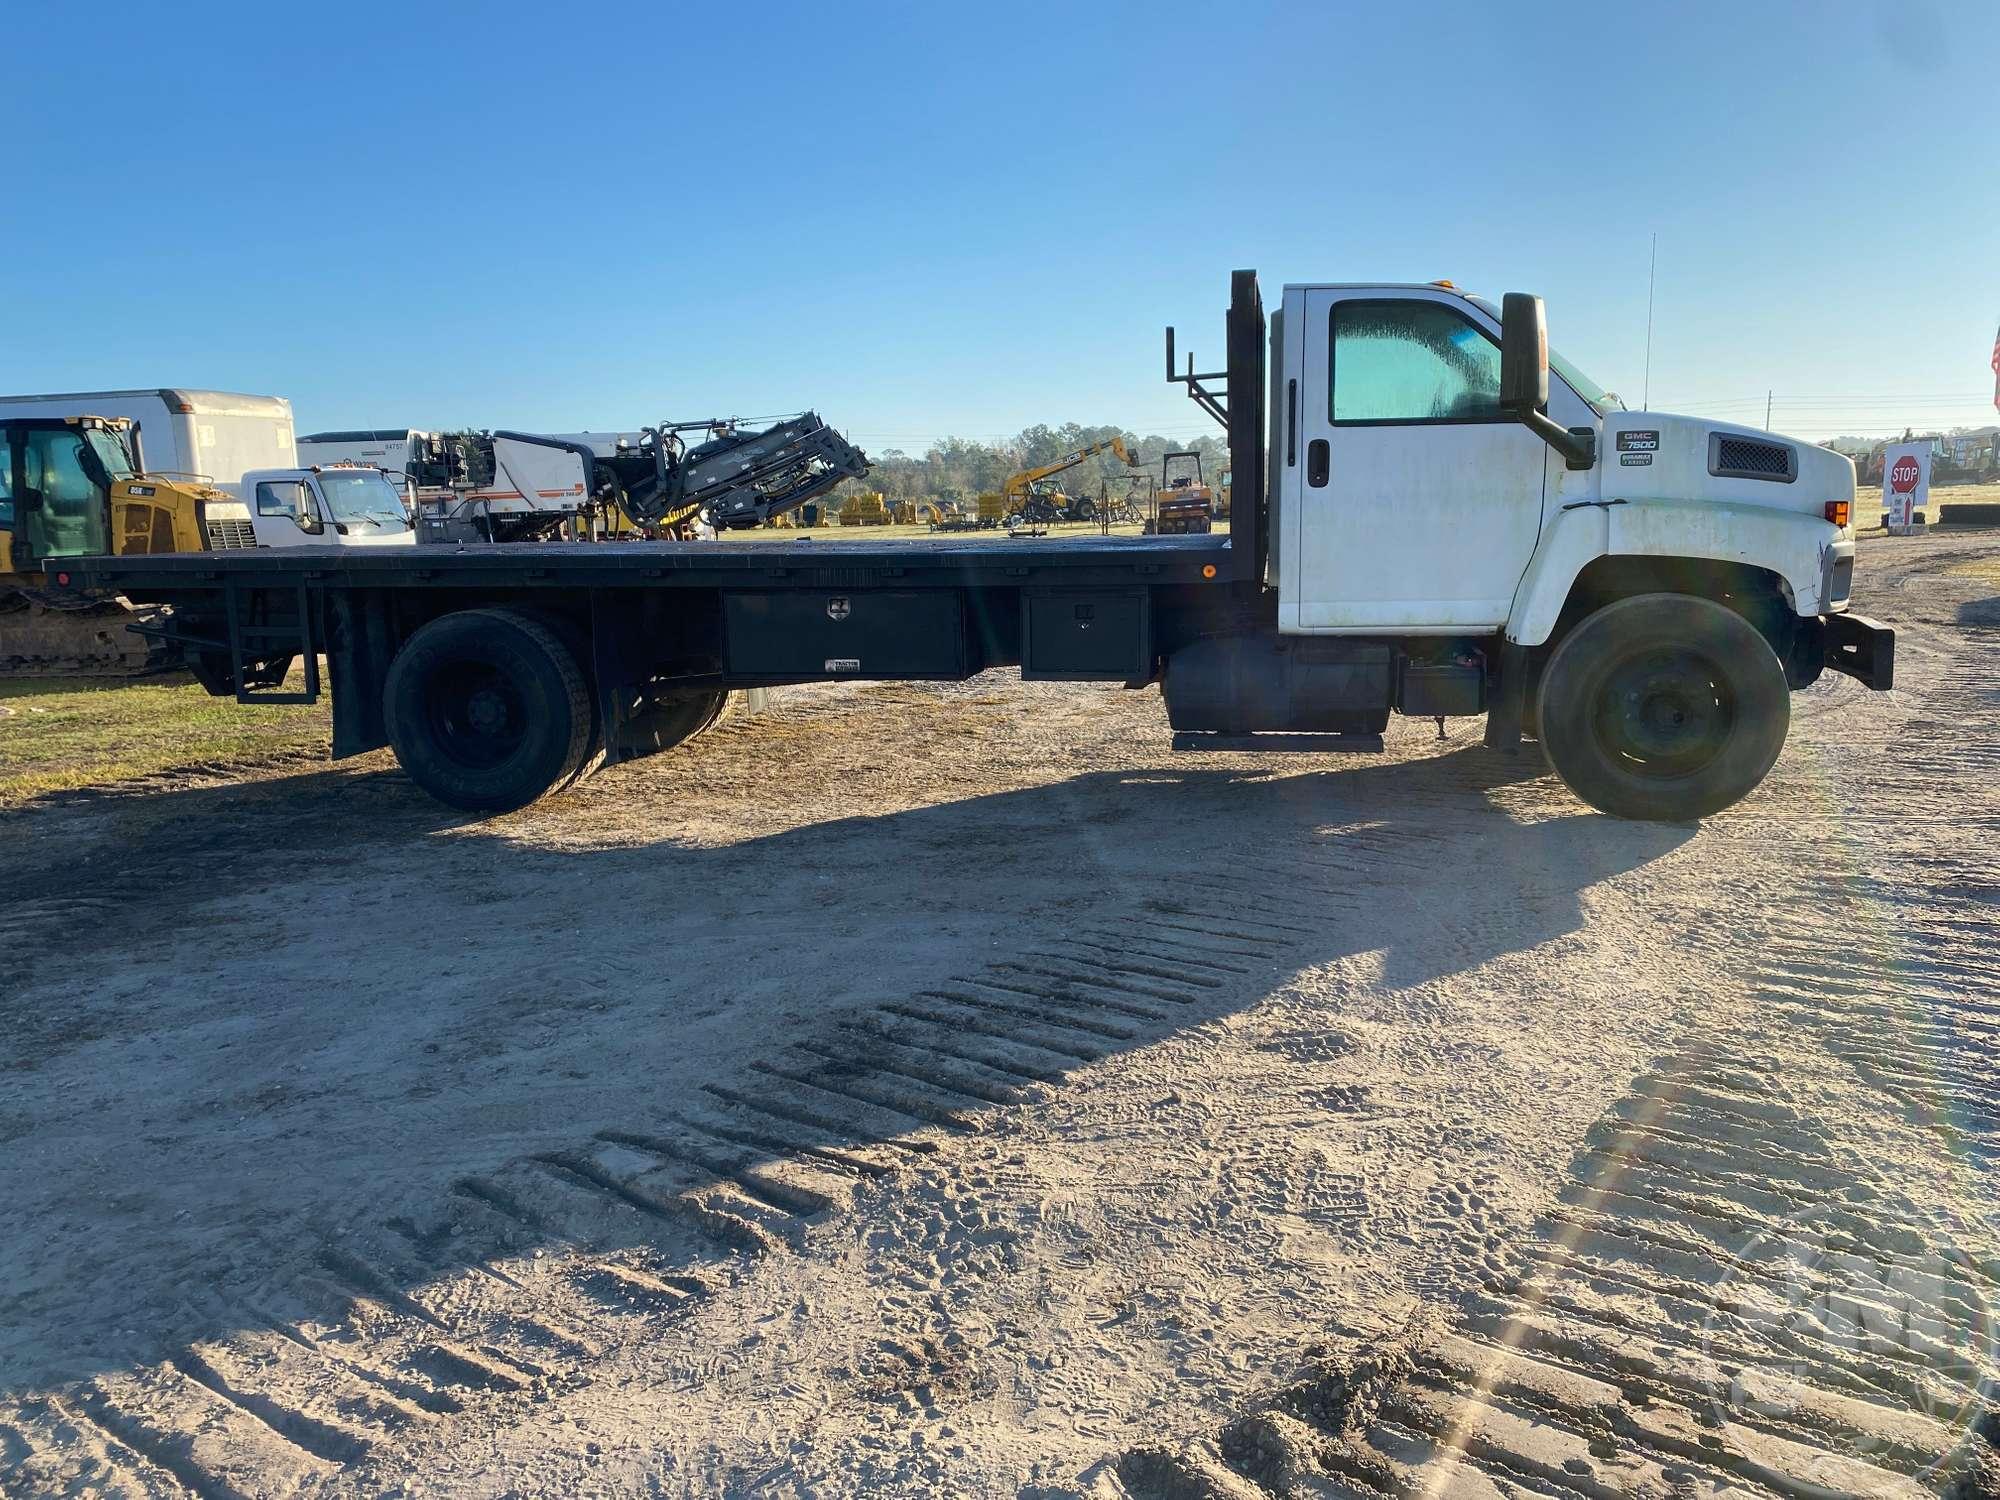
[1663,708]
[488,710]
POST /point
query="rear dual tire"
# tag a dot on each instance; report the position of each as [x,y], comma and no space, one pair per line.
[488,710]
[1663,708]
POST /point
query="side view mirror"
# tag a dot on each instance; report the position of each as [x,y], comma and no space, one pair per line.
[1524,379]
[1524,354]
[307,513]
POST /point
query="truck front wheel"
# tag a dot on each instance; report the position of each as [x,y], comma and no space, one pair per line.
[487,710]
[1663,707]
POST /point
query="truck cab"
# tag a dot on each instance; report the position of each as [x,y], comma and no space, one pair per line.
[329,505]
[1413,498]
[1450,519]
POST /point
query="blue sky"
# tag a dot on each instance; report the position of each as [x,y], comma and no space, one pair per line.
[963,219]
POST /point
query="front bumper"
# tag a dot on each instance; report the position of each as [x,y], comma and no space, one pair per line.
[1862,649]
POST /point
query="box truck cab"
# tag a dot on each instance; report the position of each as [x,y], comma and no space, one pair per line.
[348,505]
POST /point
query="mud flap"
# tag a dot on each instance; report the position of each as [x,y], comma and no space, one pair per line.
[1506,710]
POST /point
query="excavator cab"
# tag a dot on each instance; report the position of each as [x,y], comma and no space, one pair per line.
[72,487]
[56,476]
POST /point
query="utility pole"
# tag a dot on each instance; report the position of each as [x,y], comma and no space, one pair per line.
[1646,394]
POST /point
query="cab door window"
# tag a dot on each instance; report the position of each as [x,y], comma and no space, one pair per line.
[280,499]
[63,510]
[1399,362]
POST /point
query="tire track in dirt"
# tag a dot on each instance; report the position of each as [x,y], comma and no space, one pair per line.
[515,1285]
[1773,1268]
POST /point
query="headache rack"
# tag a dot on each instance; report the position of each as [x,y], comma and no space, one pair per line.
[1238,407]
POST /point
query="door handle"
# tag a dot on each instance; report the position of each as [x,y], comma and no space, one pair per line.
[1316,462]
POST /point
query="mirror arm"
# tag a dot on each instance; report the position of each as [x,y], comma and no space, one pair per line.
[1577,445]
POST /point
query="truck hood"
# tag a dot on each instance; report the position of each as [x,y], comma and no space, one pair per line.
[1659,456]
[364,534]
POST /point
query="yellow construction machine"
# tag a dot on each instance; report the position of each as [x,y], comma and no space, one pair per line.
[1025,496]
[69,488]
[1184,503]
[864,510]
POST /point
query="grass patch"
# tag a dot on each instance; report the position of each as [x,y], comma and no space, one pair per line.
[62,734]
[1985,569]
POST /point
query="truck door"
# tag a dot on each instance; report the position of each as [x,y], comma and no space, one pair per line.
[1420,501]
[285,513]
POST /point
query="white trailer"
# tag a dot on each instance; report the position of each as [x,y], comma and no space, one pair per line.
[399,450]
[179,433]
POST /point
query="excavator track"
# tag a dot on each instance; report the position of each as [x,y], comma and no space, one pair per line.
[39,641]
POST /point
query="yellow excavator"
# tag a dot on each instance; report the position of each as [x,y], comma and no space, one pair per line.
[1022,496]
[69,487]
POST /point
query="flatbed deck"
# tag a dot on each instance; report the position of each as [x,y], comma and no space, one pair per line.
[943,561]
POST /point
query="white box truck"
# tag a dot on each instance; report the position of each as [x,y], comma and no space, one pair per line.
[212,436]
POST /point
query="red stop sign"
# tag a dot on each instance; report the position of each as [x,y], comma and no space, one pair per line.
[1903,475]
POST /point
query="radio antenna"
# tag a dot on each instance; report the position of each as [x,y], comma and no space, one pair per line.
[1646,394]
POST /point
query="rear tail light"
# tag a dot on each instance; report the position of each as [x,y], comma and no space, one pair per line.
[1838,511]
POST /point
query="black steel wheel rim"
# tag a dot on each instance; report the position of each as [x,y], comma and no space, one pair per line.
[1665,712]
[476,714]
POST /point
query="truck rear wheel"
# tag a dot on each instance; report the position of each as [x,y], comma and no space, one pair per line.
[1663,707]
[488,710]
[673,719]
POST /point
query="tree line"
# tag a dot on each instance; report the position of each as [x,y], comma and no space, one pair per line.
[960,469]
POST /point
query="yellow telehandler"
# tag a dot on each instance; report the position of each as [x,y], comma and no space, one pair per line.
[1024,498]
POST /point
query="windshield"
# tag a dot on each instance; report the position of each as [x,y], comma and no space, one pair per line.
[1582,384]
[362,495]
[109,449]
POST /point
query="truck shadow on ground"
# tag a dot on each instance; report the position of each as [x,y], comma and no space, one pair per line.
[351,1071]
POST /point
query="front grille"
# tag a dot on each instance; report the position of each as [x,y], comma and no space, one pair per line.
[230,533]
[1748,458]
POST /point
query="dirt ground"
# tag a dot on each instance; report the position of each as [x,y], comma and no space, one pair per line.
[924,1091]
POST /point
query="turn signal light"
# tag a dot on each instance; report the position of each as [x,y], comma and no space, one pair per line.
[1208,570]
[1837,511]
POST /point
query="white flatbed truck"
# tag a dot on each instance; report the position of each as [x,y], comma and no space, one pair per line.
[1426,519]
